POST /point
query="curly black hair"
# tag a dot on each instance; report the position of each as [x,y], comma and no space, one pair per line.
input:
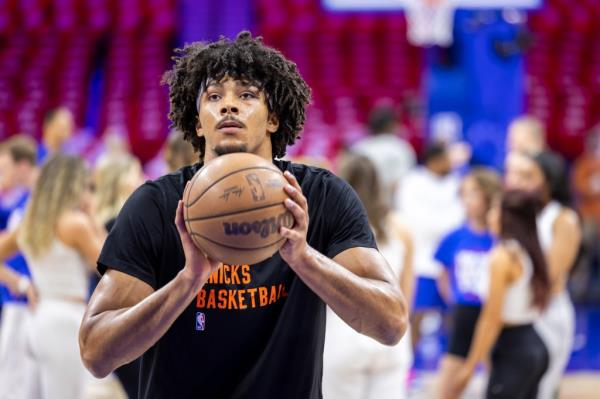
[247,58]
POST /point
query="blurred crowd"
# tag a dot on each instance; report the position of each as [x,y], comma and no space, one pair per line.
[497,255]
[56,209]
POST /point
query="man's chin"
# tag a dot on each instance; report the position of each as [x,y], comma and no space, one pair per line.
[230,148]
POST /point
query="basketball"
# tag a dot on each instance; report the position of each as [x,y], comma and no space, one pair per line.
[233,208]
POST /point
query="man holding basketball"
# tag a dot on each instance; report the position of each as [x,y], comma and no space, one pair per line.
[192,320]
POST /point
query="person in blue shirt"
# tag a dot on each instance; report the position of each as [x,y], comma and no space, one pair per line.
[463,254]
[19,155]
[58,127]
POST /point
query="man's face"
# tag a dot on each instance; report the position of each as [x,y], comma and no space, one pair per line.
[62,126]
[522,173]
[233,117]
[65,125]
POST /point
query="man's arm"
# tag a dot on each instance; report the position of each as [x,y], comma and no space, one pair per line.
[357,284]
[125,316]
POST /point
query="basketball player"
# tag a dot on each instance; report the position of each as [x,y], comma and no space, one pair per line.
[560,235]
[205,329]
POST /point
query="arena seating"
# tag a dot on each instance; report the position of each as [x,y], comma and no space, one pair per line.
[563,71]
[51,49]
[351,61]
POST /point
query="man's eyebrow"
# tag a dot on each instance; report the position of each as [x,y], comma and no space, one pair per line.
[243,83]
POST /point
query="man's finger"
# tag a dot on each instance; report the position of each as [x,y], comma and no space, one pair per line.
[297,196]
[289,233]
[186,239]
[292,180]
[297,212]
[179,218]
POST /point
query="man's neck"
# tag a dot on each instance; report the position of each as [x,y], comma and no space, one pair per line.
[263,153]
[477,225]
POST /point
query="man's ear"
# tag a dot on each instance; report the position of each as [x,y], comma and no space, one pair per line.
[272,123]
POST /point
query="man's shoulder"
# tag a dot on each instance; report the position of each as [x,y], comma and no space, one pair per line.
[163,192]
[308,173]
[174,182]
[176,179]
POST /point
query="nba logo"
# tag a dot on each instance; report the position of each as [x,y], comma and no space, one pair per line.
[200,321]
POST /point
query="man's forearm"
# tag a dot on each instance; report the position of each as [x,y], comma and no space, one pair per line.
[116,337]
[372,307]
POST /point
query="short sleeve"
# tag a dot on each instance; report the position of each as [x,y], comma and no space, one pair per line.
[346,221]
[445,251]
[134,243]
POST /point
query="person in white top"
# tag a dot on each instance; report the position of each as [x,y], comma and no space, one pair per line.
[560,234]
[429,202]
[393,156]
[61,243]
[354,365]
[519,291]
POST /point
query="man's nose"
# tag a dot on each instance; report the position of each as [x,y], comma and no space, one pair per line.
[229,106]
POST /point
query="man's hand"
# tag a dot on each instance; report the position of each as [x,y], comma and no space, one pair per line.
[295,248]
[198,266]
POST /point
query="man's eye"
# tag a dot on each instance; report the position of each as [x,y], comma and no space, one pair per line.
[247,95]
[213,97]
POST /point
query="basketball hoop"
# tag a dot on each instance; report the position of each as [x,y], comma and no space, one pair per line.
[430,22]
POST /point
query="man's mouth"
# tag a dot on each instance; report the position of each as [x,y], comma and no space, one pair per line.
[230,125]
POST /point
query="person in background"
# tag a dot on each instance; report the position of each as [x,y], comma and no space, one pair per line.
[114,144]
[464,280]
[424,192]
[519,290]
[393,156]
[356,366]
[20,152]
[13,189]
[560,236]
[586,187]
[115,180]
[178,152]
[61,242]
[527,135]
[58,127]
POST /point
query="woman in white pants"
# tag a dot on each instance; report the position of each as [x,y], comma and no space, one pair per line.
[61,243]
[356,366]
[560,236]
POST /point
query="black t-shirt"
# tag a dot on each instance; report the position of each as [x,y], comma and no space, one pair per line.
[254,331]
